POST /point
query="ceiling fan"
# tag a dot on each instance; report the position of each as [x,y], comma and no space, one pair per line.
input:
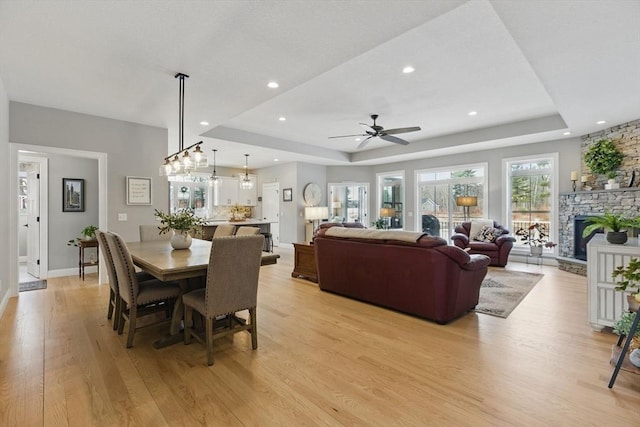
[375,130]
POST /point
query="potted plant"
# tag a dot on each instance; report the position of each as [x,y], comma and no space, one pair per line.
[88,233]
[536,237]
[616,225]
[181,222]
[627,279]
[378,224]
[604,158]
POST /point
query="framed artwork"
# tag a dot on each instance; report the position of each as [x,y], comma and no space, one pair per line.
[287,195]
[72,195]
[138,191]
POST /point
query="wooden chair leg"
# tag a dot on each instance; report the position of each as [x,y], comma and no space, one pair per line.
[254,328]
[209,339]
[132,325]
[123,309]
[188,320]
[118,312]
[112,303]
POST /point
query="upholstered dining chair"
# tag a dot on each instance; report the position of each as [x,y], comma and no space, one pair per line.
[151,232]
[232,286]
[247,231]
[224,230]
[137,298]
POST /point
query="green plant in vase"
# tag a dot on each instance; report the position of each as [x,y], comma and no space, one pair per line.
[182,223]
[615,224]
[89,233]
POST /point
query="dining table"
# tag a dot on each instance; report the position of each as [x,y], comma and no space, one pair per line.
[159,259]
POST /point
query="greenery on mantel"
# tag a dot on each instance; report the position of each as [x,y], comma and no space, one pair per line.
[604,158]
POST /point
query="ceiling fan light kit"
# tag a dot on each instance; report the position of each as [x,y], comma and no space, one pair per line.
[377,131]
[181,162]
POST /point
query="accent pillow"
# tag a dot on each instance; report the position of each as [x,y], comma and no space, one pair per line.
[476,226]
[487,234]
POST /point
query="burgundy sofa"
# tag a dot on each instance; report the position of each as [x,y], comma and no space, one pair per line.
[497,250]
[426,278]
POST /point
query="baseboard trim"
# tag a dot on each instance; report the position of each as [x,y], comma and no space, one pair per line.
[70,271]
[5,300]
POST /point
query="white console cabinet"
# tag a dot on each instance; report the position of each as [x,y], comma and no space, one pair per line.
[605,304]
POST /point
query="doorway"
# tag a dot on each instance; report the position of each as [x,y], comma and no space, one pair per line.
[271,209]
[32,212]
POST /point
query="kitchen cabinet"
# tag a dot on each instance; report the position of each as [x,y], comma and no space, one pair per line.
[248,197]
[226,194]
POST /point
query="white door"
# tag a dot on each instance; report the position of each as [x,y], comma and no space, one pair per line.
[271,209]
[33,221]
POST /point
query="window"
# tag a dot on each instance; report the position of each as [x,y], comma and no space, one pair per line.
[348,202]
[531,193]
[391,199]
[190,192]
[440,190]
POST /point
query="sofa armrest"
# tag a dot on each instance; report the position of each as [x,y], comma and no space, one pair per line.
[460,240]
[477,262]
[463,259]
[504,239]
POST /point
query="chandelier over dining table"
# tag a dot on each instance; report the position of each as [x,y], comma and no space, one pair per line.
[183,161]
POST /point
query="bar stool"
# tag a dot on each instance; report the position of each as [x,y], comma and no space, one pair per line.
[268,242]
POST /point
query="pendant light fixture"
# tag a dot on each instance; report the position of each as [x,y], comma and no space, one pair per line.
[181,162]
[246,183]
[214,179]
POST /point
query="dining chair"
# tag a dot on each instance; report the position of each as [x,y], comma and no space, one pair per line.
[152,232]
[232,286]
[247,231]
[137,298]
[224,230]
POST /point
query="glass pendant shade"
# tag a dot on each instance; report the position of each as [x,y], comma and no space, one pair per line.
[246,183]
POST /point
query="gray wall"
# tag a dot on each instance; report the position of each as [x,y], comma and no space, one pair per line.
[4,192]
[132,150]
[286,176]
[64,226]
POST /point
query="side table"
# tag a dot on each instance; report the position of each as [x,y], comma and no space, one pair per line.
[82,245]
[305,262]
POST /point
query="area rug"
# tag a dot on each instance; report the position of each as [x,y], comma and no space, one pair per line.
[502,291]
[32,286]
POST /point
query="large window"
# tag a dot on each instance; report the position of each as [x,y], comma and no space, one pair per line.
[531,194]
[348,202]
[391,199]
[449,196]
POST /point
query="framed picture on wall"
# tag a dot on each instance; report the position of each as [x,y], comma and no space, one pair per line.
[138,190]
[72,195]
[287,195]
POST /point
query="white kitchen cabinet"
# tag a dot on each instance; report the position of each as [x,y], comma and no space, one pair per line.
[248,197]
[226,194]
[605,304]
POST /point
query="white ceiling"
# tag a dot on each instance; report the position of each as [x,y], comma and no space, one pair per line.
[531,69]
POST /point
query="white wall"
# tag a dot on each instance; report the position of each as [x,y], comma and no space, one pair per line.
[4,196]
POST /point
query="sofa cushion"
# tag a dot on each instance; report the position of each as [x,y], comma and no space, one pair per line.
[488,234]
[373,234]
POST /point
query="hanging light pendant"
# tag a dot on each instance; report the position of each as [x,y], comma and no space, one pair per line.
[214,179]
[246,183]
[181,161]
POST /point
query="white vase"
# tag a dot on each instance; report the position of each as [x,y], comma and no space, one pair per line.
[611,185]
[536,250]
[181,240]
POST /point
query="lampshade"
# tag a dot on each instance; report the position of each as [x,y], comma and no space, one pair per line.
[314,213]
[336,205]
[467,201]
[387,212]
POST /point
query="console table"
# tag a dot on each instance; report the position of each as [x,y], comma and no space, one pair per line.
[605,304]
[305,262]
[82,245]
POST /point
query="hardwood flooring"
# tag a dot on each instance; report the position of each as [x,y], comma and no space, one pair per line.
[322,359]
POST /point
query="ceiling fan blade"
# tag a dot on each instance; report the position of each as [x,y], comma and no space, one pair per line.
[401,130]
[394,139]
[363,143]
[368,129]
[346,136]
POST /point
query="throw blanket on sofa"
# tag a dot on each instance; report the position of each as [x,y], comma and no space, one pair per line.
[365,233]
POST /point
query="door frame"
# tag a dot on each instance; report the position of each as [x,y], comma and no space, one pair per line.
[43,201]
[276,185]
[28,149]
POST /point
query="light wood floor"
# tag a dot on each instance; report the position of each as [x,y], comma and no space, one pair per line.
[322,360]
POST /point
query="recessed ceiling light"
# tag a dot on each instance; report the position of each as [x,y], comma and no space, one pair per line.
[566,133]
[601,122]
[276,160]
[408,69]
[472,113]
[273,85]
[282,118]
[358,139]
[204,123]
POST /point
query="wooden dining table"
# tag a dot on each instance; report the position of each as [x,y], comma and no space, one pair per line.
[159,259]
[163,262]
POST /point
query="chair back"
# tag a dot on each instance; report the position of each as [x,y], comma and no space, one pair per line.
[152,232]
[111,268]
[224,230]
[232,276]
[125,270]
[247,231]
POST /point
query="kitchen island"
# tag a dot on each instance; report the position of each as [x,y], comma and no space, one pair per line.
[210,227]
